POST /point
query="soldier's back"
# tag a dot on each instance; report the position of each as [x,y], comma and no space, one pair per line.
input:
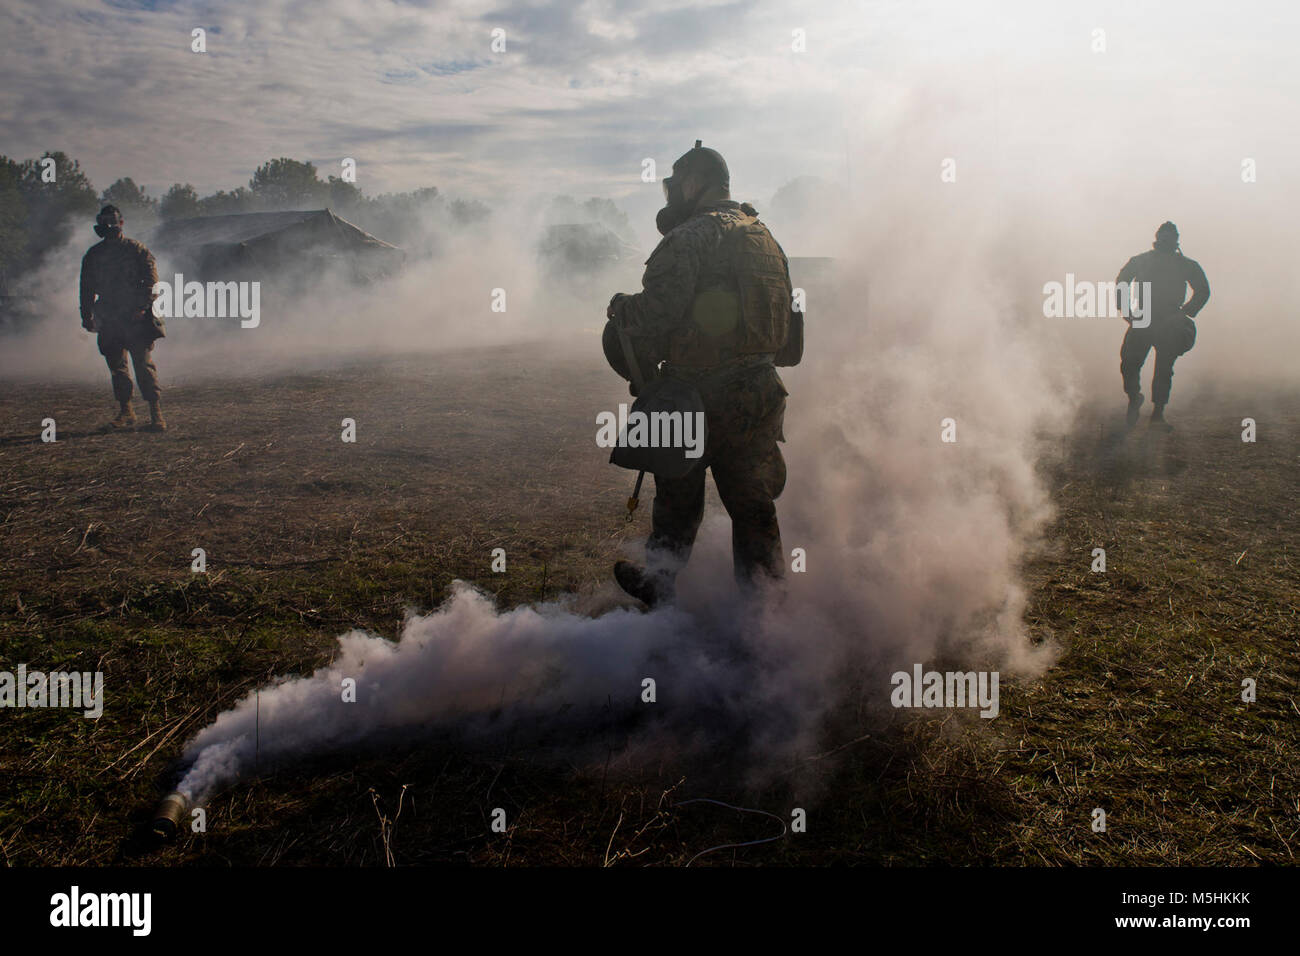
[1169,274]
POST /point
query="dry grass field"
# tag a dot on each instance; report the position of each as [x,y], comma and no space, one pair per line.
[307,537]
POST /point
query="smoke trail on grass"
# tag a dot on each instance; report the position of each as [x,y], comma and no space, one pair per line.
[463,663]
[913,547]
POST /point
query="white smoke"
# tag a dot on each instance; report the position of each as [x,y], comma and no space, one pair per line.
[460,664]
[485,285]
[913,545]
[914,549]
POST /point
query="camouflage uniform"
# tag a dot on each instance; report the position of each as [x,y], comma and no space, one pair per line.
[1170,273]
[744,399]
[122,273]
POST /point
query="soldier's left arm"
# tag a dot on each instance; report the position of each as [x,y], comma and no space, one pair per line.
[146,277]
[668,285]
[1200,289]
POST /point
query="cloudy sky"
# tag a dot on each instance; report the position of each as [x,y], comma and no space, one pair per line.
[585,91]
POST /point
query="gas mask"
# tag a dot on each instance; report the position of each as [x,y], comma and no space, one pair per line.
[677,210]
[108,224]
[1167,239]
[711,169]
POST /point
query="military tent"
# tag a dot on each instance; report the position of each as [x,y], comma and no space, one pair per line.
[260,245]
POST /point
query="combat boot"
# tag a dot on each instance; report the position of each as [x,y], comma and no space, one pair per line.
[651,588]
[156,421]
[1158,422]
[1134,405]
[125,417]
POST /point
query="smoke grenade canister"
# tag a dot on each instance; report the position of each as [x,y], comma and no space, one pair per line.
[169,816]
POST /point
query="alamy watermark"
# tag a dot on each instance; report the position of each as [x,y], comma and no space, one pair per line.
[651,430]
[1083,299]
[79,690]
[946,689]
[133,911]
[209,300]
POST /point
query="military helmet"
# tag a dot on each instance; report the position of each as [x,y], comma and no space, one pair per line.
[1166,238]
[109,216]
[612,344]
[613,349]
[708,163]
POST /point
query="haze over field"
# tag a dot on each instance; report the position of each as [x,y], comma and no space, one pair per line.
[1066,159]
[1069,146]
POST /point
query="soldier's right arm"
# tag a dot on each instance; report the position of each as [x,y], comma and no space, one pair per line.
[1126,275]
[87,291]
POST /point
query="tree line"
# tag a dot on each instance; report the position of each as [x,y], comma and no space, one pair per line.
[44,201]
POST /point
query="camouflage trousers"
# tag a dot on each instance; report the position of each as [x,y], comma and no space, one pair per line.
[745,408]
[115,344]
[1168,344]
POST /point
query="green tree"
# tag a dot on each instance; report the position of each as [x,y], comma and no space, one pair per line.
[604,211]
[466,212]
[288,184]
[343,196]
[125,193]
[138,208]
[179,202]
[58,180]
[56,193]
[222,203]
[13,222]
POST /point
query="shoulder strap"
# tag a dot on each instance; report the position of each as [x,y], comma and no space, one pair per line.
[629,353]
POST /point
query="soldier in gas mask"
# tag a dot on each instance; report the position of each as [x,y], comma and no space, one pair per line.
[715,309]
[117,280]
[1171,331]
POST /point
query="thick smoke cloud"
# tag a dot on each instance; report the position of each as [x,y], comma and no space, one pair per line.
[466,665]
[914,546]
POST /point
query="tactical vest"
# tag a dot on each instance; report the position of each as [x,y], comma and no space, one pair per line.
[742,298]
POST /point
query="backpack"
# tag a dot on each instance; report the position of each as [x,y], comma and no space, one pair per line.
[743,304]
